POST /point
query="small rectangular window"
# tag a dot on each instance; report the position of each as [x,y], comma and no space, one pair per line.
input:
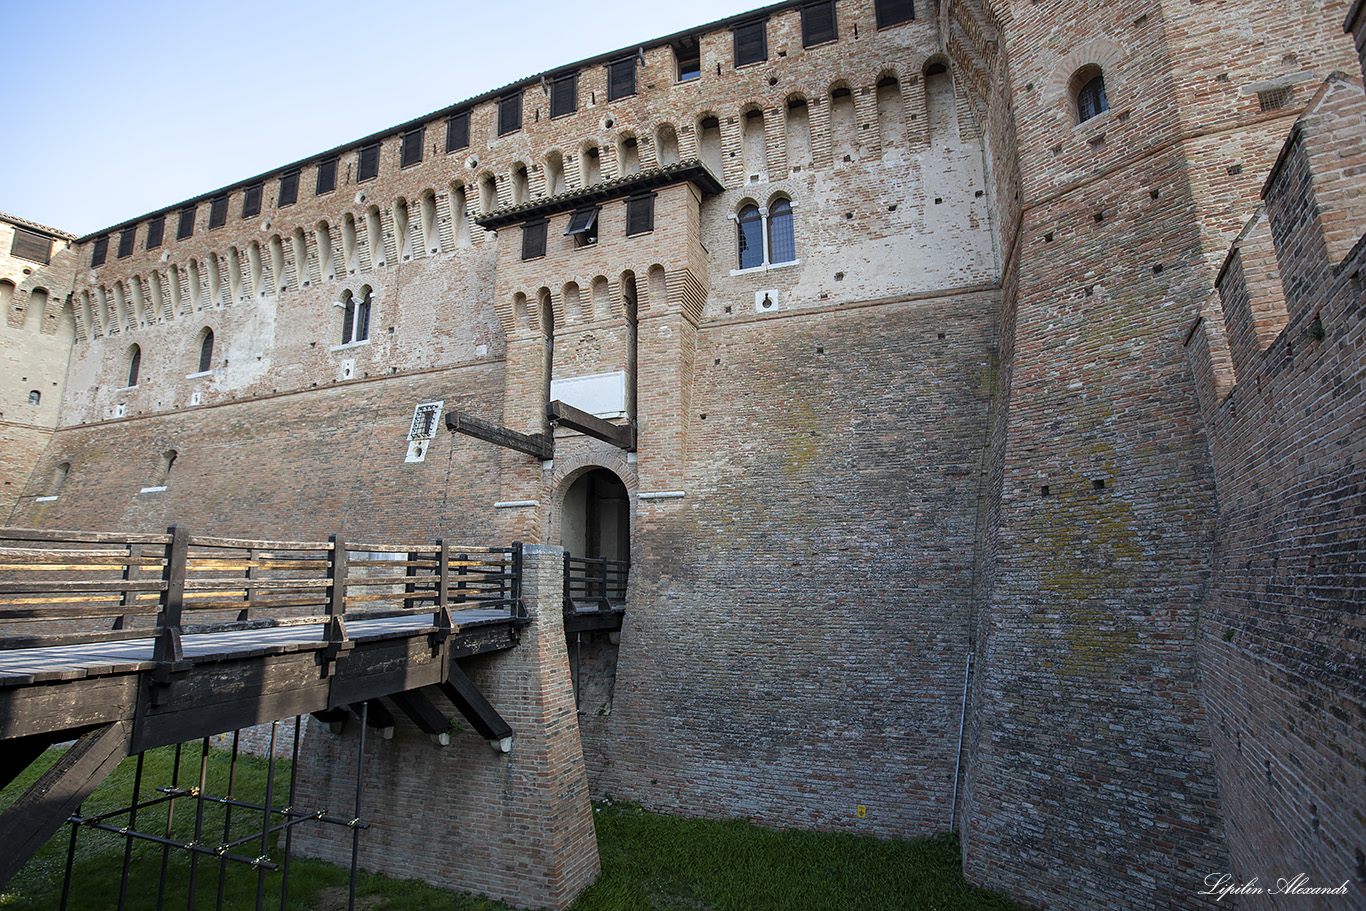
[583,227]
[818,23]
[289,188]
[156,230]
[510,114]
[533,239]
[564,95]
[689,58]
[32,246]
[218,211]
[621,78]
[185,227]
[97,255]
[126,239]
[640,215]
[458,131]
[751,43]
[251,201]
[412,147]
[367,164]
[894,12]
[327,176]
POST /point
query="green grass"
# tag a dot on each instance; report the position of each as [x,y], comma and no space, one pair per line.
[648,861]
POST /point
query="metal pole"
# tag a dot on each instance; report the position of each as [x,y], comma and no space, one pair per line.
[198,821]
[132,827]
[958,761]
[289,832]
[70,859]
[170,815]
[355,832]
[227,815]
[265,817]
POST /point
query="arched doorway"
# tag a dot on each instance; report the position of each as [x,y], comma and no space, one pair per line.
[595,520]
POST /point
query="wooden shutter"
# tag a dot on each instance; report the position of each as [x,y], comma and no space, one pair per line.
[100,251]
[818,24]
[751,43]
[156,231]
[251,201]
[533,239]
[458,131]
[126,239]
[186,226]
[327,176]
[289,188]
[368,165]
[564,95]
[510,114]
[621,78]
[31,245]
[893,12]
[640,214]
[218,211]
[412,147]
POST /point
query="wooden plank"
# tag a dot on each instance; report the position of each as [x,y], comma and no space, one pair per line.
[535,444]
[423,712]
[80,537]
[255,544]
[37,814]
[622,436]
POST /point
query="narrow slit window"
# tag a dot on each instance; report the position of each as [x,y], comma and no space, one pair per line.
[533,239]
[583,227]
[412,147]
[818,24]
[458,131]
[185,227]
[156,231]
[100,251]
[894,12]
[218,211]
[564,95]
[510,114]
[126,239]
[621,78]
[251,201]
[289,188]
[640,215]
[31,245]
[751,43]
[367,163]
[327,176]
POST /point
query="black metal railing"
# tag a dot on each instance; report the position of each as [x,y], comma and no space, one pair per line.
[594,583]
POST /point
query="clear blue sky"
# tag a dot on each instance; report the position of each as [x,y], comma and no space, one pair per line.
[122,108]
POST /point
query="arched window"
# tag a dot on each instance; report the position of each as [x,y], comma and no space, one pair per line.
[134,365]
[751,237]
[765,237]
[1089,89]
[35,397]
[206,352]
[356,317]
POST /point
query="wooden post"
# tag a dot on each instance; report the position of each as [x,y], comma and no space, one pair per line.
[245,613]
[604,602]
[442,620]
[168,647]
[514,588]
[336,594]
[568,585]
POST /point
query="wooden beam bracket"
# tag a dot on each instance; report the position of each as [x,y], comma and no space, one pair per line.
[540,445]
[623,436]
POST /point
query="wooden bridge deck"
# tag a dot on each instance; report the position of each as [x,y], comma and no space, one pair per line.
[100,651]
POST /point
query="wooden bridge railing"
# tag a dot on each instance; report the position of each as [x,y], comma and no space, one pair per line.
[65,588]
[594,582]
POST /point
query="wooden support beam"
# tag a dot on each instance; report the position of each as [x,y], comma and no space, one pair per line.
[533,444]
[623,436]
[425,714]
[379,716]
[40,812]
[18,754]
[465,696]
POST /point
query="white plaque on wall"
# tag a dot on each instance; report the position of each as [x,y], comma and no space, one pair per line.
[601,394]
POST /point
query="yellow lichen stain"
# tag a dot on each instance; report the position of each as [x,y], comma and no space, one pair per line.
[1093,546]
[801,449]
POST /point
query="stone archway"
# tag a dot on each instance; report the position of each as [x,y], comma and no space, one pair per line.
[595,516]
